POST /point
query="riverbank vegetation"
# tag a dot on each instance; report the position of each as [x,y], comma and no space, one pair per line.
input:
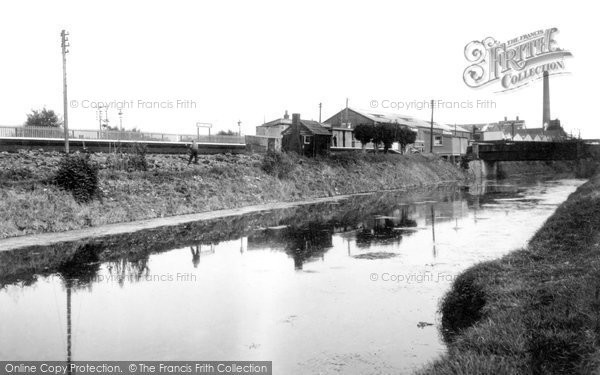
[31,203]
[537,310]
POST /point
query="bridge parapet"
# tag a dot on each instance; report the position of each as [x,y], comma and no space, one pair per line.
[523,151]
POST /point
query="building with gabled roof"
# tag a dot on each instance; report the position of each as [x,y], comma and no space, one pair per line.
[275,127]
[343,123]
[306,137]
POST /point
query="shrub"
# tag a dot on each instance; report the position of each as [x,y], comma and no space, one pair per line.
[133,160]
[137,158]
[464,162]
[278,164]
[79,175]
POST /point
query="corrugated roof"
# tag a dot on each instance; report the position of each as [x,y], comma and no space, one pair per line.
[396,118]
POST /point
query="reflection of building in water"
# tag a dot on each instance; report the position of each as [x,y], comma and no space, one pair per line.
[303,244]
[201,249]
[386,229]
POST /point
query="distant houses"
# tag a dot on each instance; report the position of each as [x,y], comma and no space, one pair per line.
[337,133]
[515,130]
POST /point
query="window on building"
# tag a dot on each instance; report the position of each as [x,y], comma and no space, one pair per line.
[437,140]
[307,139]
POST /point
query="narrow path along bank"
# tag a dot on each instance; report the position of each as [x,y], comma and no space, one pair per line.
[45,239]
[536,310]
[169,187]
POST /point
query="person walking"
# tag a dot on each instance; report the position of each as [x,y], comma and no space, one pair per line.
[193,153]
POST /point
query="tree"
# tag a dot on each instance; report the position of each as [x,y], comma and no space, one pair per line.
[405,137]
[226,132]
[364,133]
[43,118]
[386,134]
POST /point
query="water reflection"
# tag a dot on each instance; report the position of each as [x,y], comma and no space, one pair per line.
[198,250]
[268,281]
[302,243]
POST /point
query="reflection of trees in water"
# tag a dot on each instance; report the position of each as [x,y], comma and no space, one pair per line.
[301,242]
[83,266]
[384,230]
[132,270]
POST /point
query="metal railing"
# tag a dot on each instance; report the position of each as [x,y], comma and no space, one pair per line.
[111,135]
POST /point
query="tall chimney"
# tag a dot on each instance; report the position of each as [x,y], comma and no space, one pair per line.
[285,115]
[546,115]
[296,133]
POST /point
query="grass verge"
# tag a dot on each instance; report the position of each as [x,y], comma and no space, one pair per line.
[170,187]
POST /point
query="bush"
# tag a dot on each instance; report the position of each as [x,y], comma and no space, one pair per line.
[132,160]
[278,164]
[137,159]
[79,175]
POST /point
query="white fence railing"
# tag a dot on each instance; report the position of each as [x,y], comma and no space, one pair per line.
[58,133]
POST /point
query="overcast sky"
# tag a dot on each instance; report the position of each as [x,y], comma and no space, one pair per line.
[250,60]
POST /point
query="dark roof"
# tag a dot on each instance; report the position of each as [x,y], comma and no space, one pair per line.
[540,131]
[314,127]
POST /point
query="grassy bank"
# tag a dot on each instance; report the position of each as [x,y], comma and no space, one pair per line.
[29,204]
[537,310]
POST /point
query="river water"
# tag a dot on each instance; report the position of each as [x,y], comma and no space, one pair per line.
[348,287]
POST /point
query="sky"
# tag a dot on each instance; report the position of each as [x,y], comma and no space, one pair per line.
[171,64]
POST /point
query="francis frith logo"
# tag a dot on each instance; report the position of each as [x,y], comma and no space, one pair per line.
[514,63]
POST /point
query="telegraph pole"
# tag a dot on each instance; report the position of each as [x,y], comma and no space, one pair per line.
[64,36]
[431,131]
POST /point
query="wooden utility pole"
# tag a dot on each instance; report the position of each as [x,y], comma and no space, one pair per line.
[346,112]
[64,36]
[431,131]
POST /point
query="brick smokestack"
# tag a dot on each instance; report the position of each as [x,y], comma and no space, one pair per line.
[295,119]
[546,115]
